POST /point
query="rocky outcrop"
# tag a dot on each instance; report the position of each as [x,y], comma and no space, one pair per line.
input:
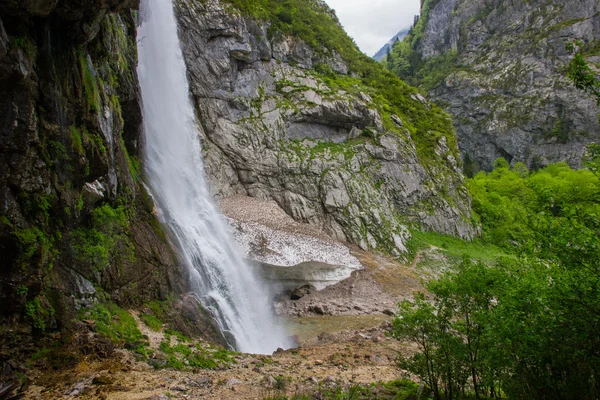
[76,225]
[509,92]
[274,128]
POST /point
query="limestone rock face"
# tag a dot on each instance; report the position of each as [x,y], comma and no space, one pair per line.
[69,136]
[509,94]
[273,129]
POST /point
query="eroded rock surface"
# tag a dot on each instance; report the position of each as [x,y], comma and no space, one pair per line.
[273,129]
[509,93]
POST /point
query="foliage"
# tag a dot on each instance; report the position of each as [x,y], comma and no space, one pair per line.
[184,355]
[513,203]
[37,313]
[401,389]
[581,73]
[104,239]
[405,59]
[521,327]
[114,323]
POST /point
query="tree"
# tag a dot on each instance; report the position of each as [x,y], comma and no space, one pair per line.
[581,73]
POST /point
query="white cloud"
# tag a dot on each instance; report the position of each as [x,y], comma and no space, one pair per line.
[373,22]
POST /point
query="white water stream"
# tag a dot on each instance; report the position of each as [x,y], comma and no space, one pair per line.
[219,277]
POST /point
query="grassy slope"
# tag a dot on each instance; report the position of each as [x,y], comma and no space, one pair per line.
[317,25]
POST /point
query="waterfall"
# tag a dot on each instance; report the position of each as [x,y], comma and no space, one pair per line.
[219,276]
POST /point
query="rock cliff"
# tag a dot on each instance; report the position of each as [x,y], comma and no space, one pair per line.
[282,120]
[76,224]
[499,67]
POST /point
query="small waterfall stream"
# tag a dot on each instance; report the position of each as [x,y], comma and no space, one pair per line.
[219,276]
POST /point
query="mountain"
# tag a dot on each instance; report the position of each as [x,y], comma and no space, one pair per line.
[499,68]
[388,46]
[286,113]
[300,116]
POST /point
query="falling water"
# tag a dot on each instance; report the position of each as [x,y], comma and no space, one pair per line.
[220,278]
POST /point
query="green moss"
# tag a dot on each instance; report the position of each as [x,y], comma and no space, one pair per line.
[96,244]
[182,356]
[76,140]
[90,84]
[25,44]
[153,323]
[37,313]
[114,323]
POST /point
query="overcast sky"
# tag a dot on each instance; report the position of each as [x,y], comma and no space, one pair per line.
[373,22]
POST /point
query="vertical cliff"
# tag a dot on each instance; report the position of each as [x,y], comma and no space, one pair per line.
[499,67]
[291,111]
[76,224]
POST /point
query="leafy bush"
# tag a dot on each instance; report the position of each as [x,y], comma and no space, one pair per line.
[520,328]
[513,203]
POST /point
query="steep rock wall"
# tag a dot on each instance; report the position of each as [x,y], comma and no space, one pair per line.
[272,127]
[76,224]
[508,90]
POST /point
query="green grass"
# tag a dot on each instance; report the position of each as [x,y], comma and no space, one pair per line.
[114,323]
[153,323]
[454,247]
[185,355]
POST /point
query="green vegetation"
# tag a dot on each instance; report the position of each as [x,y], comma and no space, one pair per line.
[519,327]
[114,323]
[90,84]
[454,248]
[185,355]
[405,59]
[402,389]
[153,323]
[25,44]
[581,73]
[38,314]
[104,239]
[76,140]
[513,205]
[317,25]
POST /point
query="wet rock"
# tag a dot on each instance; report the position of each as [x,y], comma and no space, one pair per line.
[302,291]
[94,192]
[319,309]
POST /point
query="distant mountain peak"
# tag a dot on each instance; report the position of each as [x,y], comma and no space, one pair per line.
[383,51]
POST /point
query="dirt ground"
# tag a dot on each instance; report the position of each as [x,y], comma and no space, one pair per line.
[332,359]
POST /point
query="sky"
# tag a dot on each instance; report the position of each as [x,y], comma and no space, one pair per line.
[373,22]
